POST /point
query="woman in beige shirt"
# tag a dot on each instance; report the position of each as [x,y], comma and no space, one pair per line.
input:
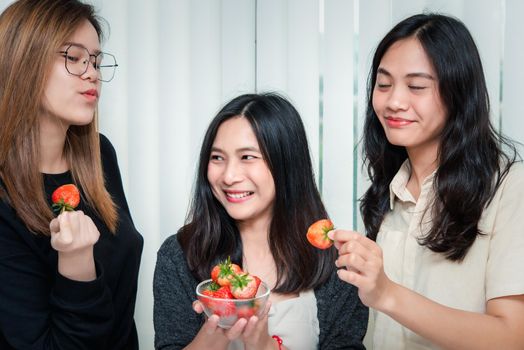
[445,203]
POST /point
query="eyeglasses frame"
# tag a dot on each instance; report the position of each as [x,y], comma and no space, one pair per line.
[97,68]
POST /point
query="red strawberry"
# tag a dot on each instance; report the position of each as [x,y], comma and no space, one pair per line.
[244,286]
[317,234]
[246,311]
[223,308]
[210,292]
[223,272]
[218,307]
[65,198]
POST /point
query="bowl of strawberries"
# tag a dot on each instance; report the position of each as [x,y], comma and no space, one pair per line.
[231,294]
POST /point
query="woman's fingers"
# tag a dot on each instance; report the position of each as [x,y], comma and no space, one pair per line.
[211,325]
[352,277]
[255,324]
[342,237]
[198,307]
[61,235]
[73,231]
[236,330]
[353,247]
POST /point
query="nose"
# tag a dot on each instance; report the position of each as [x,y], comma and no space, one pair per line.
[398,98]
[232,173]
[91,73]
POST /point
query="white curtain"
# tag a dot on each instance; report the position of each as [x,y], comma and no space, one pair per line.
[180,60]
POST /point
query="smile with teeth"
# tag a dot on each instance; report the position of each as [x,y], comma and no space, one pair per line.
[238,195]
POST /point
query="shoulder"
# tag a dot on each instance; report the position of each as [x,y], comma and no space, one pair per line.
[106,149]
[507,203]
[171,248]
[110,167]
[171,259]
[515,174]
[512,185]
[171,269]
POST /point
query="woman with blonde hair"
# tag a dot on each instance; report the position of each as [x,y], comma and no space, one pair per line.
[72,279]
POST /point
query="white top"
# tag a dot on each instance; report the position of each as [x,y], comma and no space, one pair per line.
[493,267]
[295,321]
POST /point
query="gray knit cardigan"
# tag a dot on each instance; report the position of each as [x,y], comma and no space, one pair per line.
[342,317]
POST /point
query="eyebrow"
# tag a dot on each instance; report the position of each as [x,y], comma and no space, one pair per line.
[381,70]
[243,149]
[95,52]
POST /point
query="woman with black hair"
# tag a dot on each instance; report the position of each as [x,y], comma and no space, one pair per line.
[445,202]
[254,198]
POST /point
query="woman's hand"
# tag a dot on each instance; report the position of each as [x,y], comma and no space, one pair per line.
[253,331]
[363,263]
[73,235]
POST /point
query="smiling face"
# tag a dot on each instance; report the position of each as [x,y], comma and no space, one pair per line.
[69,99]
[239,175]
[406,99]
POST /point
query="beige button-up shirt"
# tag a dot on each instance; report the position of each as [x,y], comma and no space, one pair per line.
[493,267]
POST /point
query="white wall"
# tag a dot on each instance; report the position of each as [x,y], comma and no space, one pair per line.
[180,60]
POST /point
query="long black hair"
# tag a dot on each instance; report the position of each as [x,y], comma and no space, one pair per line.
[473,158]
[210,234]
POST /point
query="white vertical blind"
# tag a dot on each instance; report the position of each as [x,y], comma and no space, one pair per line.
[338,95]
[513,75]
[181,60]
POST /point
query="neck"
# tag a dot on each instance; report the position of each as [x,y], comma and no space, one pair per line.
[255,236]
[52,141]
[423,163]
[257,257]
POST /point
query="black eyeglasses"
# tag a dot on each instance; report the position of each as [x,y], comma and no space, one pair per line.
[77,59]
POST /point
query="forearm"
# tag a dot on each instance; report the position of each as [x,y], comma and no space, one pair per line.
[447,327]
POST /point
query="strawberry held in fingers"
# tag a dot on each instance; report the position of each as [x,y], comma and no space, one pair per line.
[65,198]
[317,234]
[224,271]
[244,286]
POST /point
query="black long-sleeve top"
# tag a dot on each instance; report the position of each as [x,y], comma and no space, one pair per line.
[40,309]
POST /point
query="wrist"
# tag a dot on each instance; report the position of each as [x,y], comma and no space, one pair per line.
[389,300]
[78,265]
[277,342]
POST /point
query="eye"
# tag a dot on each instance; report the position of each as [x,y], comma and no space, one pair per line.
[382,86]
[417,87]
[216,157]
[248,157]
[71,58]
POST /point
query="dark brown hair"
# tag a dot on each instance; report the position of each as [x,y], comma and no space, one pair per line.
[473,157]
[212,235]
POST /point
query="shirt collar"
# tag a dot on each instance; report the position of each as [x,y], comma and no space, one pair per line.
[397,187]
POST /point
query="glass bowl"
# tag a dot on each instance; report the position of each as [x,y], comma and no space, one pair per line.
[230,310]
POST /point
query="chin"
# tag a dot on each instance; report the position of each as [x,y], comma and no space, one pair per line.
[397,141]
[82,120]
[235,215]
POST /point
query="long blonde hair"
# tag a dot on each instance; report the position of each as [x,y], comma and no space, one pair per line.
[31,31]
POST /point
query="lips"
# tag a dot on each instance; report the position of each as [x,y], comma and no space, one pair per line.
[238,196]
[91,94]
[396,122]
